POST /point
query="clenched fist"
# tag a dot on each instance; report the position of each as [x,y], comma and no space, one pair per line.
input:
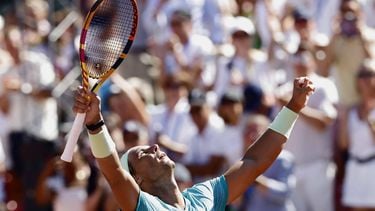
[302,89]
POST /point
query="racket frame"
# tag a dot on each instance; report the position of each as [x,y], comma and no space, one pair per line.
[73,136]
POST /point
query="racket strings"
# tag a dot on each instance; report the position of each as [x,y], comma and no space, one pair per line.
[107,35]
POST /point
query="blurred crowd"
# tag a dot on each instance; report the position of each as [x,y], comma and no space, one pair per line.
[203,80]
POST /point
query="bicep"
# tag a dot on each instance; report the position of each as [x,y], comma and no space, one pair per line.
[123,186]
[238,178]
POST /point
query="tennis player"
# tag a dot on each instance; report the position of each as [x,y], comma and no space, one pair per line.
[144,177]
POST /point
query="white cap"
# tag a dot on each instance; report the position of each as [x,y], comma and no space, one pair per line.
[125,161]
[241,23]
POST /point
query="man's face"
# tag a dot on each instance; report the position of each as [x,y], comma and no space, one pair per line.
[173,92]
[231,112]
[180,27]
[199,115]
[303,28]
[241,40]
[149,163]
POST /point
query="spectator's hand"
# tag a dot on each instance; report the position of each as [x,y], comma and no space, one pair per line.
[88,103]
[303,88]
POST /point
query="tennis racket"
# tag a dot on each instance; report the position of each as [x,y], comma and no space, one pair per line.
[106,38]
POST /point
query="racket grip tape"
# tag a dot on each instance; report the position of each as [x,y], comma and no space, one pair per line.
[73,136]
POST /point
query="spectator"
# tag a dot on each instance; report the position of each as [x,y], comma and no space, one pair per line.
[358,138]
[171,125]
[205,156]
[187,52]
[231,111]
[236,71]
[321,12]
[350,34]
[62,185]
[311,143]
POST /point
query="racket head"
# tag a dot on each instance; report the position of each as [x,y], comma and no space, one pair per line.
[106,38]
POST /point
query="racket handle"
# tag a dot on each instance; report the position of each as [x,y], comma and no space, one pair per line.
[74,133]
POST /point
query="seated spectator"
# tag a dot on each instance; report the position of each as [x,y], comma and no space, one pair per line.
[205,157]
[189,53]
[170,123]
[231,111]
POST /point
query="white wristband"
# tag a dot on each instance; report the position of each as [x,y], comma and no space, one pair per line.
[284,122]
[102,144]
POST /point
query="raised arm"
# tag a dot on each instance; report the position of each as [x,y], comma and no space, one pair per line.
[123,185]
[265,150]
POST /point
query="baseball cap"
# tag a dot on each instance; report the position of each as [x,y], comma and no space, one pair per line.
[231,96]
[197,97]
[300,16]
[242,24]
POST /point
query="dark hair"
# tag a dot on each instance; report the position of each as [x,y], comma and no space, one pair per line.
[366,70]
[131,169]
[182,15]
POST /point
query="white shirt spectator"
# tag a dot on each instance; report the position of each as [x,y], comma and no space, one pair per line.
[36,116]
[359,186]
[156,22]
[202,146]
[232,141]
[176,124]
[306,143]
[257,72]
[72,198]
[199,49]
[313,150]
[321,11]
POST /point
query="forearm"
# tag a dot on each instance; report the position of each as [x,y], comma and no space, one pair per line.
[264,151]
[123,186]
[261,154]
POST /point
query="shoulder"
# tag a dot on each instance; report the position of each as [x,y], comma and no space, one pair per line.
[212,193]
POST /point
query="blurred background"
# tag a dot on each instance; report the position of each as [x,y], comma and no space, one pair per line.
[203,80]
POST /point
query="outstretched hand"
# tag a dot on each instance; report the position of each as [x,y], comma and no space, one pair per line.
[89,103]
[302,89]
